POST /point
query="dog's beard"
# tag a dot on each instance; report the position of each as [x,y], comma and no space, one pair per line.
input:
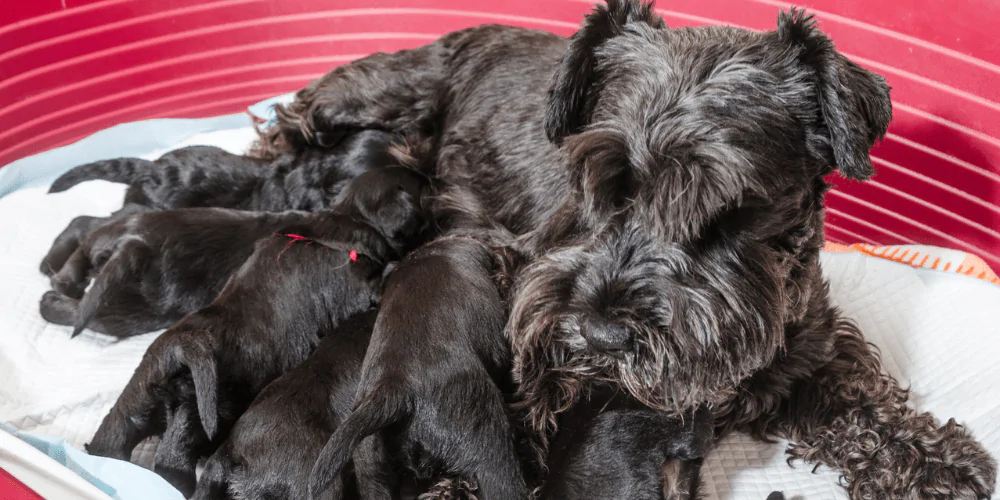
[698,354]
[553,364]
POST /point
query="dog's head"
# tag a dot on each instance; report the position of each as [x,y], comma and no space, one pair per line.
[394,200]
[697,159]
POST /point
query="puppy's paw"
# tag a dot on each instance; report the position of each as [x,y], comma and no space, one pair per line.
[68,288]
[48,265]
[58,309]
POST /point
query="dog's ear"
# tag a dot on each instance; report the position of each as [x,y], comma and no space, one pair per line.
[854,101]
[397,214]
[569,100]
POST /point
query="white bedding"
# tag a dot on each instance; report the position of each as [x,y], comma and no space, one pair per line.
[938,332]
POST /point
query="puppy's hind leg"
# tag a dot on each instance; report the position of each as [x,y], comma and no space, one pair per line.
[180,448]
[214,481]
[140,411]
[471,432]
[376,475]
[68,241]
[125,264]
[72,278]
[58,309]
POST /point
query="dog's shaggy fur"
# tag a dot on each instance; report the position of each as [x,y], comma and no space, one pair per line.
[153,268]
[610,445]
[199,376]
[668,192]
[204,176]
[428,391]
[273,446]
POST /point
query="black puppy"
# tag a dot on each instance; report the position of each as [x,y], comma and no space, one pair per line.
[610,445]
[428,388]
[271,449]
[153,268]
[206,176]
[198,377]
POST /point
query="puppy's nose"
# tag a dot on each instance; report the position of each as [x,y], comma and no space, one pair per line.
[606,337]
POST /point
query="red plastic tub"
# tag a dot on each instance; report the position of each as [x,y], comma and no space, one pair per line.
[69,68]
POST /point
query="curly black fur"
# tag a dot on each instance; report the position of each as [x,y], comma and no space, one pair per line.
[671,242]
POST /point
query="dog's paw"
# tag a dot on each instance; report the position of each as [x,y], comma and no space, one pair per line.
[956,467]
[57,308]
[68,288]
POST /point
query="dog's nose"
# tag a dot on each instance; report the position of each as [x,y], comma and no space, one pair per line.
[607,337]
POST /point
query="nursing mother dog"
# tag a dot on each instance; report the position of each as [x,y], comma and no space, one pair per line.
[666,189]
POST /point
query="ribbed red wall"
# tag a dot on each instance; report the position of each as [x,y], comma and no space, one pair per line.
[72,67]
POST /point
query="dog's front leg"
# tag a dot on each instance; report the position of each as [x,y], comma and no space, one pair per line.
[852,417]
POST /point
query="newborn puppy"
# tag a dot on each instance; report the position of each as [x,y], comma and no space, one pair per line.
[206,176]
[153,268]
[272,447]
[270,315]
[610,445]
[428,389]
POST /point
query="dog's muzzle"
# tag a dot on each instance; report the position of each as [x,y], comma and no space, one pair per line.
[607,337]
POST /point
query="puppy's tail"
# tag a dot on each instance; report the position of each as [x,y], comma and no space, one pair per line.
[127,262]
[120,170]
[380,408]
[201,361]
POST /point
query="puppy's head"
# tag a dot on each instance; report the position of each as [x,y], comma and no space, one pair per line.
[393,200]
[697,159]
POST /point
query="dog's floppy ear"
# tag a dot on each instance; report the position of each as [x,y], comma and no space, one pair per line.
[569,97]
[854,101]
[397,215]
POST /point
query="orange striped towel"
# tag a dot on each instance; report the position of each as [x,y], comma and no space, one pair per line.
[941,259]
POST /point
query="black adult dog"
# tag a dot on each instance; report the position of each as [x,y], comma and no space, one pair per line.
[153,268]
[667,187]
[428,394]
[273,446]
[199,376]
[205,176]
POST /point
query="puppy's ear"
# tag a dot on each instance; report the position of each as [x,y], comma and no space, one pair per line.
[854,101]
[570,96]
[398,215]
